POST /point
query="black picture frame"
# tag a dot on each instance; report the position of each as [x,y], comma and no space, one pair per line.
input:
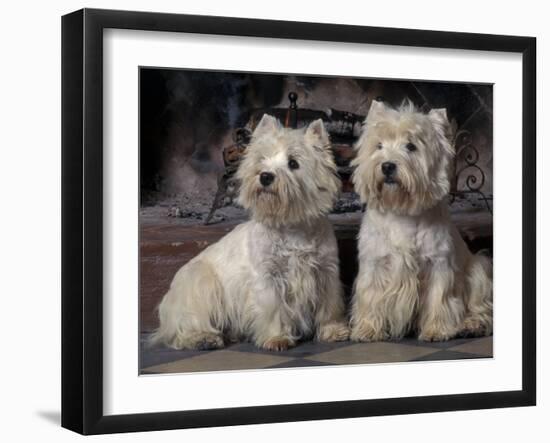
[82,219]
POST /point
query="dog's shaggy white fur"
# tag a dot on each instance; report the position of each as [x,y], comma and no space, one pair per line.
[274,279]
[415,271]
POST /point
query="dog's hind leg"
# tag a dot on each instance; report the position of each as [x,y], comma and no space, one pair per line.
[191,313]
[479,298]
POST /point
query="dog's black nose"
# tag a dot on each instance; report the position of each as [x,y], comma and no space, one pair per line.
[266,178]
[388,168]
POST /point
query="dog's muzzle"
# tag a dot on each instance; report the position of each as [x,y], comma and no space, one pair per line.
[388,169]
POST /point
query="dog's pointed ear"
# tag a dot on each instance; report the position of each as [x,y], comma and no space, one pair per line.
[268,124]
[317,135]
[441,123]
[377,110]
[439,116]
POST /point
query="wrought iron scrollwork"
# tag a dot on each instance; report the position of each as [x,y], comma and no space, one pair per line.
[470,173]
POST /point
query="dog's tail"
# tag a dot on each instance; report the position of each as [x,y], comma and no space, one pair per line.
[157,337]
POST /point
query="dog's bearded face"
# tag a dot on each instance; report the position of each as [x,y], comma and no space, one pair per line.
[288,176]
[403,159]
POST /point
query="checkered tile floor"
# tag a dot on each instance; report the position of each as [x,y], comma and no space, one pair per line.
[246,356]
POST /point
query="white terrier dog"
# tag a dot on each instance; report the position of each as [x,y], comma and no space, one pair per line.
[415,271]
[274,279]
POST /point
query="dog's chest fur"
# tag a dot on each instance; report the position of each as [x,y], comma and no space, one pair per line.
[418,240]
[290,261]
[285,254]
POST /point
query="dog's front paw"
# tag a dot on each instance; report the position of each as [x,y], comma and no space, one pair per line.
[330,332]
[432,334]
[208,342]
[366,332]
[278,344]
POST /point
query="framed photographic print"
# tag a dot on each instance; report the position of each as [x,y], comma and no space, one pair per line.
[270,221]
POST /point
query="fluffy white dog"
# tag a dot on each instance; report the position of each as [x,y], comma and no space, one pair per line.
[415,271]
[274,279]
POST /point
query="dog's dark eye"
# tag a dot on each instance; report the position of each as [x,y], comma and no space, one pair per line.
[293,164]
[411,147]
[379,146]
